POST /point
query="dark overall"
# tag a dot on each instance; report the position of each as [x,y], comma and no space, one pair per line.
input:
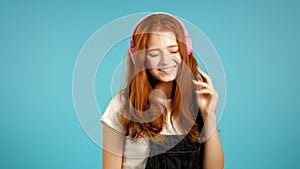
[184,155]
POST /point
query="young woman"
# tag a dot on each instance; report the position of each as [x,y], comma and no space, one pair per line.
[157,120]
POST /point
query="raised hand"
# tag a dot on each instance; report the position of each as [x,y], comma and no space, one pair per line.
[206,95]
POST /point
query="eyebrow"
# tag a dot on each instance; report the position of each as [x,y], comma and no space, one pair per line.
[150,50]
[171,46]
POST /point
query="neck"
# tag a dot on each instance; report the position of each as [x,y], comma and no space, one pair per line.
[166,87]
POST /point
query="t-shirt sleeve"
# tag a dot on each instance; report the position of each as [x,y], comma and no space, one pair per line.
[111,114]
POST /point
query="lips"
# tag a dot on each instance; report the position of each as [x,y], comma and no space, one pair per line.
[167,69]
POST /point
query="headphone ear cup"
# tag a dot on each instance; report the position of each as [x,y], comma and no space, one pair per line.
[131,51]
[189,45]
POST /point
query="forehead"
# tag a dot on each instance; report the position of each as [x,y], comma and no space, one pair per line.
[162,39]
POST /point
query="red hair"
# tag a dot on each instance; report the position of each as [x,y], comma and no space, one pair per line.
[141,114]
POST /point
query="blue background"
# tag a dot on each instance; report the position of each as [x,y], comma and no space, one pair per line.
[257,41]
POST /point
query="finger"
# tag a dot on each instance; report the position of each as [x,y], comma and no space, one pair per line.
[204,91]
[205,77]
[199,77]
[202,84]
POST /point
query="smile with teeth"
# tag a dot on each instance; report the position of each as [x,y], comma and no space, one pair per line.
[167,69]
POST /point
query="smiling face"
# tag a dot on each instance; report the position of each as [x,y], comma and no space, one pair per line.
[163,57]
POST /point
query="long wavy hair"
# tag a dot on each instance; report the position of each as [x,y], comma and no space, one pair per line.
[142,115]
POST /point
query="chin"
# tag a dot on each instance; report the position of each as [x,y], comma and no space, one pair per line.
[166,78]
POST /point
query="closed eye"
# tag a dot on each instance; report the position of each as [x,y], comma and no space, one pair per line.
[153,55]
[173,49]
[153,52]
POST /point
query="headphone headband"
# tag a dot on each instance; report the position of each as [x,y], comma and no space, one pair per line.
[187,38]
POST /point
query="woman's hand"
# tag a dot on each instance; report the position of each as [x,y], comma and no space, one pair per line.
[206,96]
[207,99]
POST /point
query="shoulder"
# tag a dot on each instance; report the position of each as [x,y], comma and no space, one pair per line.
[112,112]
[116,103]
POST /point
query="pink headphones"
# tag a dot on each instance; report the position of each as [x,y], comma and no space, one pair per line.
[188,39]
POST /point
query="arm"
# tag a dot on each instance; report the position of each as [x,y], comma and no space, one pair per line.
[213,154]
[112,149]
[207,99]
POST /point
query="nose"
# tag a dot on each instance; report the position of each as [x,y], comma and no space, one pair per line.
[165,57]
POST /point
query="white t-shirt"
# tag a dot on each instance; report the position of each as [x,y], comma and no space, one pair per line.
[135,154]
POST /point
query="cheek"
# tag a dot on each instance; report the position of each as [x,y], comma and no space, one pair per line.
[177,59]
